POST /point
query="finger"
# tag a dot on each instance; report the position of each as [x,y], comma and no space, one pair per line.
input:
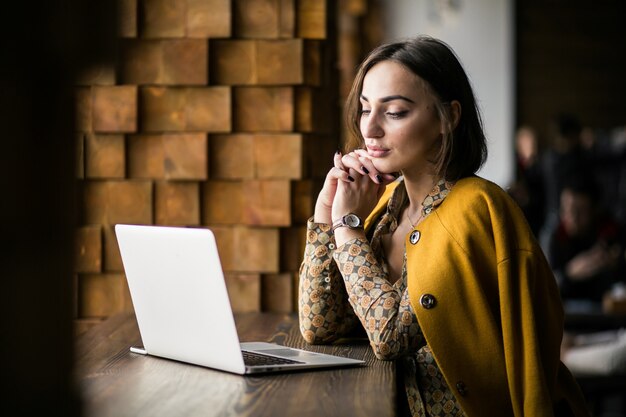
[362,165]
[351,161]
[339,174]
[362,152]
[337,160]
[387,178]
[368,168]
[366,160]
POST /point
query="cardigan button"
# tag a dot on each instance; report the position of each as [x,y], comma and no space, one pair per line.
[428,301]
[415,237]
[461,388]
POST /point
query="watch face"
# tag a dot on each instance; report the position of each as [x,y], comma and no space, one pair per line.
[352,220]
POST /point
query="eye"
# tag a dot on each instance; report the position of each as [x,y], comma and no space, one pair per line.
[365,112]
[396,115]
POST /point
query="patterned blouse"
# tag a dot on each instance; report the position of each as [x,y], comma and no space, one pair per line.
[342,286]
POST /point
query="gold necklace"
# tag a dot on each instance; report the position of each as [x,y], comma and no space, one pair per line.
[409,218]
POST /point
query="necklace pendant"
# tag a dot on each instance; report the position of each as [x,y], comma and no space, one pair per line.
[415,237]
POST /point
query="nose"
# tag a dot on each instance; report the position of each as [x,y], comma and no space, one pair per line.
[370,126]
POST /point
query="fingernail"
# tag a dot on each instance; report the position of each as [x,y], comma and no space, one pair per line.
[365,170]
[338,152]
[379,178]
[350,178]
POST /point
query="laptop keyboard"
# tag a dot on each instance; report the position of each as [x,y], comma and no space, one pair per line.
[257,359]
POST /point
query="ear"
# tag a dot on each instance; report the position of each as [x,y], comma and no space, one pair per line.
[455,116]
[455,112]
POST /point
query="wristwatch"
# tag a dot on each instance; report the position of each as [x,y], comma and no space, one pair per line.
[350,220]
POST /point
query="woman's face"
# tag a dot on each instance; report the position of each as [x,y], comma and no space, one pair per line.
[399,121]
[576,212]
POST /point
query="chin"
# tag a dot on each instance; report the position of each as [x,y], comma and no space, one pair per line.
[384,167]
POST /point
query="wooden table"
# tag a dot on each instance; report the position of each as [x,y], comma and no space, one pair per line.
[114,382]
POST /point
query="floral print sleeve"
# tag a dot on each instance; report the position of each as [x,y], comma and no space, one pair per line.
[325,314]
[383,309]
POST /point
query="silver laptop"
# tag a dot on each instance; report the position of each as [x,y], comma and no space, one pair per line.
[179,294]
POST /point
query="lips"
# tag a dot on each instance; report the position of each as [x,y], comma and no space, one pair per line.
[377,151]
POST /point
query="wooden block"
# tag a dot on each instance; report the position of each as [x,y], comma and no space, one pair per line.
[287,19]
[244,292]
[185,156]
[292,243]
[88,249]
[206,109]
[267,203]
[209,109]
[256,249]
[168,156]
[305,110]
[277,293]
[264,19]
[80,155]
[263,156]
[280,62]
[146,156]
[97,75]
[225,239]
[163,18]
[112,257]
[354,7]
[311,19]
[141,61]
[278,156]
[165,62]
[209,18]
[185,62]
[259,109]
[304,196]
[127,18]
[232,156]
[314,111]
[115,108]
[269,62]
[82,326]
[222,202]
[234,62]
[320,150]
[247,249]
[83,109]
[177,203]
[100,295]
[256,19]
[112,202]
[313,65]
[105,156]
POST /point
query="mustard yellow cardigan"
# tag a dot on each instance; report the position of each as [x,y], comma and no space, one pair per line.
[496,325]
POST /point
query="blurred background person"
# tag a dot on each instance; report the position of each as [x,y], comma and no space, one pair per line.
[586,246]
[563,159]
[528,188]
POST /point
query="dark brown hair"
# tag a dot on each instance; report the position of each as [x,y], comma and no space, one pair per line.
[463,149]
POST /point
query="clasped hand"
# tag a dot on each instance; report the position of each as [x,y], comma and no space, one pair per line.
[353,185]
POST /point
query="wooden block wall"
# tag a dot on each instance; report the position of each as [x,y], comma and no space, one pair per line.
[215,115]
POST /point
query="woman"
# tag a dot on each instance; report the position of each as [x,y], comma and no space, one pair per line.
[444,273]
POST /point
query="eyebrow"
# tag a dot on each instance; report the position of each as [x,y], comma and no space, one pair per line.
[389,98]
